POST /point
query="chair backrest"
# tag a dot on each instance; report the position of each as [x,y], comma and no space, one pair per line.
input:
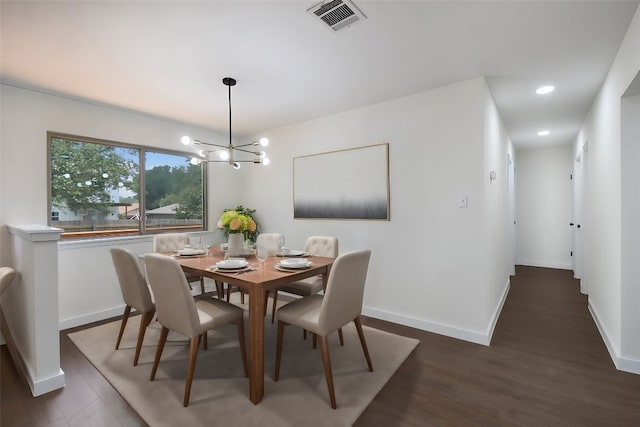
[174,303]
[132,283]
[6,277]
[270,240]
[322,246]
[169,242]
[343,297]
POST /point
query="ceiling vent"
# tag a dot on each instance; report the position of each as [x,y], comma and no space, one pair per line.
[337,14]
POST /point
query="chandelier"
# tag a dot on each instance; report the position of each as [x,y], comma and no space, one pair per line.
[231,154]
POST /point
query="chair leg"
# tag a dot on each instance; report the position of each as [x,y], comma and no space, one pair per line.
[341,337]
[156,360]
[243,347]
[241,296]
[279,340]
[273,309]
[205,338]
[125,317]
[304,334]
[202,285]
[228,292]
[220,289]
[326,361]
[144,322]
[363,341]
[193,355]
[315,340]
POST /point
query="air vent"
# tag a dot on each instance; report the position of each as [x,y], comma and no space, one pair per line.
[337,14]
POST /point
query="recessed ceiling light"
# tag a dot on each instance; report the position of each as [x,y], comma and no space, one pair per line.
[543,90]
[543,133]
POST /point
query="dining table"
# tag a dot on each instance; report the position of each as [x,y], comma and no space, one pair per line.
[257,281]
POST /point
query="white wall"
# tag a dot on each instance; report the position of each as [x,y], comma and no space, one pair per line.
[545,207]
[603,243]
[88,285]
[439,149]
[630,292]
[436,152]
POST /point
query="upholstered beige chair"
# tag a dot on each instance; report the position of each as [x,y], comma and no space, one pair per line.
[171,242]
[179,312]
[135,293]
[315,245]
[7,275]
[341,304]
[270,240]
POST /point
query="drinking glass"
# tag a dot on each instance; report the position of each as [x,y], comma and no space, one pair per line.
[281,247]
[262,254]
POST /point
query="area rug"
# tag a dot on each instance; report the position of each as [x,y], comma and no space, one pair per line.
[219,394]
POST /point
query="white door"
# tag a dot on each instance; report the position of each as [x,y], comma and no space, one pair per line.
[511,170]
[578,223]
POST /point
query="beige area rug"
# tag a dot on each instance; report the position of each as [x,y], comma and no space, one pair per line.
[219,395]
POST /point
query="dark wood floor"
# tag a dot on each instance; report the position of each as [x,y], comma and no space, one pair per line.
[546,366]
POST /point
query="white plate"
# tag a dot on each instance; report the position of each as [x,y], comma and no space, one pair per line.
[290,269]
[231,270]
[231,263]
[191,252]
[291,264]
[291,252]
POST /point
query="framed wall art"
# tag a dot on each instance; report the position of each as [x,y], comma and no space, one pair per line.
[344,184]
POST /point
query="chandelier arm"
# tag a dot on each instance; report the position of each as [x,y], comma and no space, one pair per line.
[215,145]
[245,145]
[257,153]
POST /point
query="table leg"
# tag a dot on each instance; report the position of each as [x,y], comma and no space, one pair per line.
[257,298]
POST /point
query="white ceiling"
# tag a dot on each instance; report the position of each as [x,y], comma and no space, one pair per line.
[168,58]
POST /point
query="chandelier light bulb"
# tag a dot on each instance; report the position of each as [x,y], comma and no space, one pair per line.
[186,140]
[236,165]
[264,141]
[194,161]
[265,161]
[224,155]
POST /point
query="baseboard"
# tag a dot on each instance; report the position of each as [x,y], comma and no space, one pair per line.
[46,385]
[545,264]
[425,325]
[38,387]
[476,337]
[497,311]
[621,363]
[90,318]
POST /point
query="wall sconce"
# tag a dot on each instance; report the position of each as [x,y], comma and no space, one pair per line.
[492,176]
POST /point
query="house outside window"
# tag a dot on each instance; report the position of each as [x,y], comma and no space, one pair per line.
[96,188]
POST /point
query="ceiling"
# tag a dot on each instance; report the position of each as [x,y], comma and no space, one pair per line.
[168,58]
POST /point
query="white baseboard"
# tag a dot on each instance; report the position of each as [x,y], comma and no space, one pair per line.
[497,311]
[426,325]
[46,385]
[622,363]
[545,264]
[476,337]
[90,317]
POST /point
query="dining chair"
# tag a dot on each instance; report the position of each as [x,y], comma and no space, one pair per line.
[171,242]
[135,293]
[7,274]
[323,314]
[178,311]
[325,246]
[271,241]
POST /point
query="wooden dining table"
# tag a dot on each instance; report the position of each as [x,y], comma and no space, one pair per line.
[256,282]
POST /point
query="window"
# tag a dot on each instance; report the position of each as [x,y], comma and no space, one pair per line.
[95,189]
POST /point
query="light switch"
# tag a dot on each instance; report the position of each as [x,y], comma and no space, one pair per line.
[462,200]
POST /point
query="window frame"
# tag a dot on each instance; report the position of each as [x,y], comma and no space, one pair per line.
[142,151]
